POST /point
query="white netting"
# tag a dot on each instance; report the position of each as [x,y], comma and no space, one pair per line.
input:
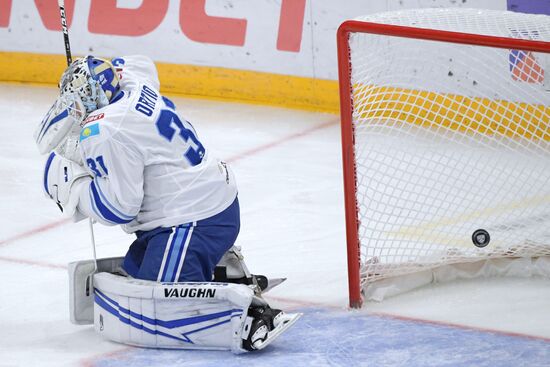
[449,139]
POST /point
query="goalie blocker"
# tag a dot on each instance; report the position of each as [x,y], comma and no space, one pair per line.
[212,316]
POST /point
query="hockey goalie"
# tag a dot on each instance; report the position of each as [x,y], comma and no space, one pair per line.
[120,154]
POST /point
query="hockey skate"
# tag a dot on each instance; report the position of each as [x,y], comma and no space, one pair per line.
[264,324]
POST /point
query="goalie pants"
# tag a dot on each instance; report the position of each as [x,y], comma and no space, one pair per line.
[185,253]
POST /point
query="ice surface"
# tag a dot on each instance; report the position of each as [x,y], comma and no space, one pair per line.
[288,167]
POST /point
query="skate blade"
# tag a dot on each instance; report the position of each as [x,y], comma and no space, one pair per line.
[272,283]
[281,328]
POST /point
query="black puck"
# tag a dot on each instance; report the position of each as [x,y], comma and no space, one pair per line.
[481,238]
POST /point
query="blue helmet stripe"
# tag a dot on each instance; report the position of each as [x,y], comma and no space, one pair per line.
[118,97]
[106,77]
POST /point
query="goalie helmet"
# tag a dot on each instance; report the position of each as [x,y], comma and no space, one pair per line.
[91,80]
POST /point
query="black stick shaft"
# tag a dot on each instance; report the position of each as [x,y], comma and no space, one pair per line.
[65,31]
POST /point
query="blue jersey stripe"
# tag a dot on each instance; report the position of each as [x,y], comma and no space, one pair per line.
[111,207]
[94,207]
[104,211]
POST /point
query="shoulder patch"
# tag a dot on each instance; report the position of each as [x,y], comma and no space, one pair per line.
[89,131]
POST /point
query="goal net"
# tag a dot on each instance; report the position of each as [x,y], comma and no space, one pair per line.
[446,147]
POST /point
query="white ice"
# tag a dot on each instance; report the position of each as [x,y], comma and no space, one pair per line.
[288,167]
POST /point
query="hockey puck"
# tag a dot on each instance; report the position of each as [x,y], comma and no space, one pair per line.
[481,238]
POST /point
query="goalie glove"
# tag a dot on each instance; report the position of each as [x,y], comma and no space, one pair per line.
[63,182]
[63,120]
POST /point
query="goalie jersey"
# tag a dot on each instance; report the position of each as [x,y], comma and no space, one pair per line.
[149,167]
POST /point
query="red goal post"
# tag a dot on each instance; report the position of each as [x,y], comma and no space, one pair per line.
[345,66]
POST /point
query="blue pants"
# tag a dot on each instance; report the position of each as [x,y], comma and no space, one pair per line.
[186,253]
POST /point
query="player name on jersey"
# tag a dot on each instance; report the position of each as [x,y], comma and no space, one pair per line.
[147,100]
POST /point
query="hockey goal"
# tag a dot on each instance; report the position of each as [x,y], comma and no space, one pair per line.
[446,147]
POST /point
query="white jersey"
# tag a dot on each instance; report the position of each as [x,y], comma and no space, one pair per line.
[149,167]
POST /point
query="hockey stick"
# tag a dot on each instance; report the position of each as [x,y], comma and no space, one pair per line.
[90,278]
[65,31]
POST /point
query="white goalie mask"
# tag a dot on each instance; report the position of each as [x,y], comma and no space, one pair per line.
[86,85]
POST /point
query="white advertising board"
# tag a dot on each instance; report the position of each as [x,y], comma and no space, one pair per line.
[289,37]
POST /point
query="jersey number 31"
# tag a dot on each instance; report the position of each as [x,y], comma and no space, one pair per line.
[167,124]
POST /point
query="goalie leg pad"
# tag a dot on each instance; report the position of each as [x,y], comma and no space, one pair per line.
[81,293]
[171,315]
